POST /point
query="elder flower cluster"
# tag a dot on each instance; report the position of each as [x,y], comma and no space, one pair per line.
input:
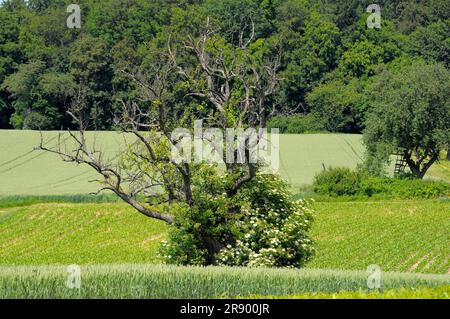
[272,231]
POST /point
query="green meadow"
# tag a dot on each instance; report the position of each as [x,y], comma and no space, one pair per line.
[48,221]
[25,171]
[29,172]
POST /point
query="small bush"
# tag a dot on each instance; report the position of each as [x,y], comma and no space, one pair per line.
[345,182]
[297,124]
[337,182]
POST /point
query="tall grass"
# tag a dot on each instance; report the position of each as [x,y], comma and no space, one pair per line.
[161,281]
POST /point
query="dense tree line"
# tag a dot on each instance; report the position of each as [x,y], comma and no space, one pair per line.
[330,58]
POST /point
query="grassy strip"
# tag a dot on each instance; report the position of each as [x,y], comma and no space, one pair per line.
[308,193]
[25,200]
[442,292]
[162,281]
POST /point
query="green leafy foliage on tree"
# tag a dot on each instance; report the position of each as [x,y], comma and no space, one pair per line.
[409,114]
[432,42]
[340,106]
[324,43]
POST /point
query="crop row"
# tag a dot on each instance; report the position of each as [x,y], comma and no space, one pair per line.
[162,281]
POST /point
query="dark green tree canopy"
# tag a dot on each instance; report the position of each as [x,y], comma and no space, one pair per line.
[327,47]
[410,113]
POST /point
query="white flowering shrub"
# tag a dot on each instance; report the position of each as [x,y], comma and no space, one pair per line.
[259,226]
[272,229]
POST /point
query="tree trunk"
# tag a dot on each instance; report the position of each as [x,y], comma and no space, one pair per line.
[416,168]
[213,247]
[448,154]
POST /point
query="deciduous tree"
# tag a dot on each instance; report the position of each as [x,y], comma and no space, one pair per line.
[410,113]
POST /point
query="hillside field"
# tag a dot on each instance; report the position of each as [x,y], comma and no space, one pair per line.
[24,171]
[47,221]
[404,236]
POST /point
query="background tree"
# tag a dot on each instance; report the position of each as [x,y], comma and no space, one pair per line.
[410,112]
[340,106]
[324,41]
[313,52]
[432,42]
[10,57]
[39,96]
[90,67]
[134,20]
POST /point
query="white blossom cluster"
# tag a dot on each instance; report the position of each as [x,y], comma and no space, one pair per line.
[273,233]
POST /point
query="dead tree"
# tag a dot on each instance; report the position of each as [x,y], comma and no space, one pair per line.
[224,74]
[153,175]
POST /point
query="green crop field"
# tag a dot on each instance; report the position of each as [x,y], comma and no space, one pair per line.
[78,233]
[48,218]
[405,236]
[156,281]
[24,171]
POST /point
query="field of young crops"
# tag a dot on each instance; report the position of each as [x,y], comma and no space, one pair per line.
[24,171]
[404,236]
[47,218]
[156,281]
[78,234]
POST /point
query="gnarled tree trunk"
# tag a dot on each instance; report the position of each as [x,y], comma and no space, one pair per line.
[418,166]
